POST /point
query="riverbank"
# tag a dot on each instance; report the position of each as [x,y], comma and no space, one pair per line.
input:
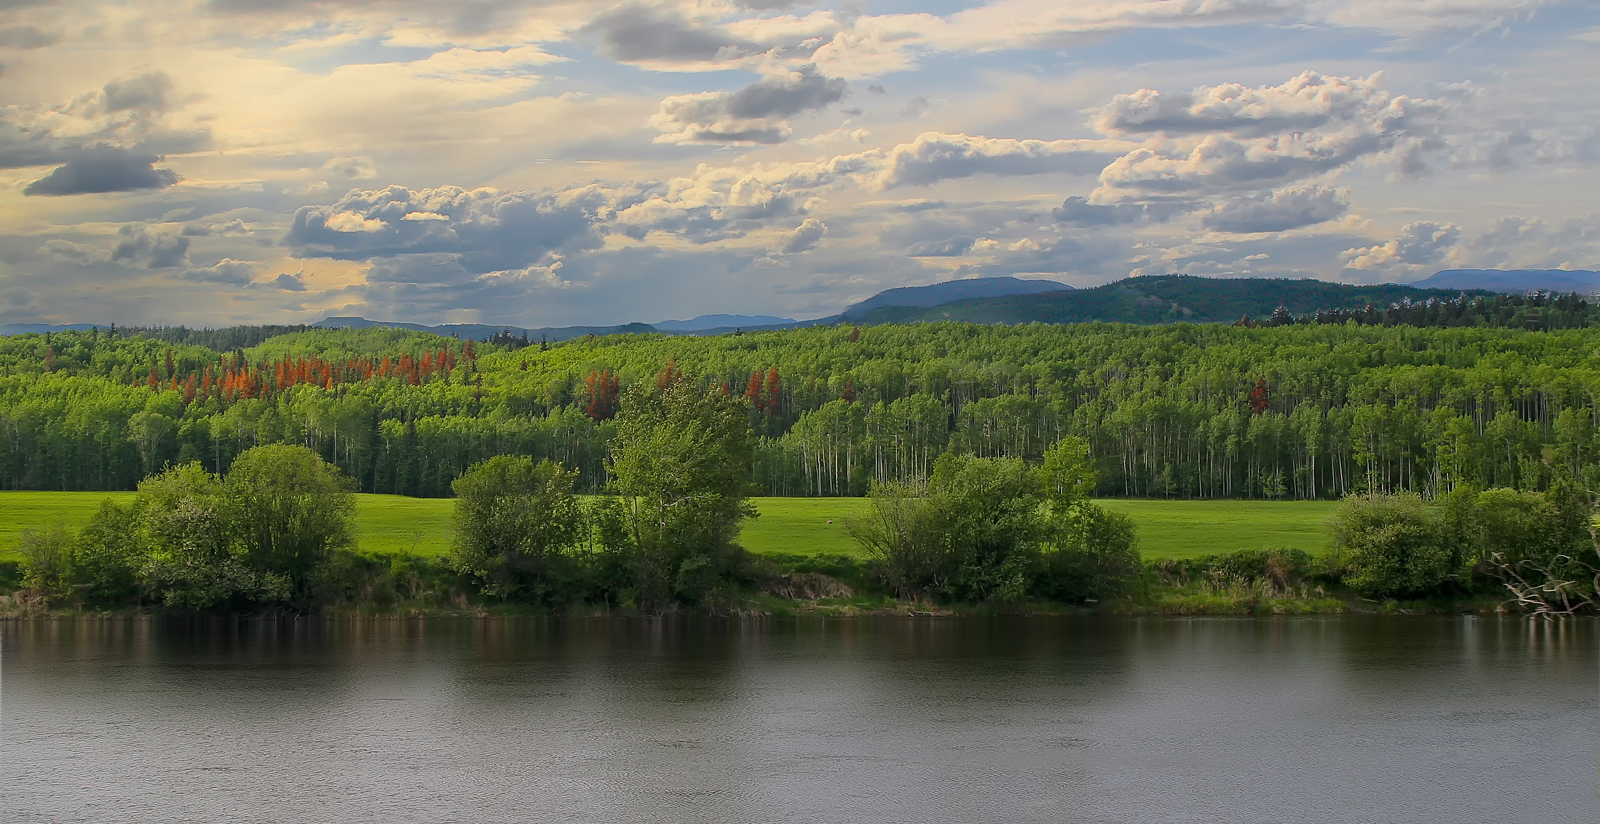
[1166,602]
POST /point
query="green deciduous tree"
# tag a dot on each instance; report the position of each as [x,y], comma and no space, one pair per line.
[289,511]
[1089,551]
[517,527]
[192,560]
[989,514]
[681,459]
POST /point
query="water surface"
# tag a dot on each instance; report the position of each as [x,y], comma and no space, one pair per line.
[1392,719]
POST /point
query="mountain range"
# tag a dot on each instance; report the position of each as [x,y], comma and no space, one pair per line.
[1514,281]
[1147,299]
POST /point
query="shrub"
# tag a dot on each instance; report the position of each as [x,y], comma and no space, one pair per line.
[1091,553]
[107,555]
[902,536]
[988,513]
[47,561]
[972,533]
[1391,545]
[1277,569]
[1094,554]
[10,575]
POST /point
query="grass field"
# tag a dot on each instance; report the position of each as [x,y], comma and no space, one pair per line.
[800,526]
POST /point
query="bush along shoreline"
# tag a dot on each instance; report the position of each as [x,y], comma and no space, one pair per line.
[977,535]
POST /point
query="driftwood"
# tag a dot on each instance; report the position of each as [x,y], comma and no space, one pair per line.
[1560,585]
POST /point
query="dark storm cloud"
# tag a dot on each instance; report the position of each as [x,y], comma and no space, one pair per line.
[635,33]
[103,169]
[481,230]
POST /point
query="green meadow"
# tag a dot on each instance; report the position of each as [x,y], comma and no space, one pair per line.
[392,524]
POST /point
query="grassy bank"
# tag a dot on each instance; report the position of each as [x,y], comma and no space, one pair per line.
[396,525]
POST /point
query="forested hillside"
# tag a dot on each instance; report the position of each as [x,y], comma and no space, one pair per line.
[1177,298]
[1298,410]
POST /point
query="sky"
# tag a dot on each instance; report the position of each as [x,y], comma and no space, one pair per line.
[554,163]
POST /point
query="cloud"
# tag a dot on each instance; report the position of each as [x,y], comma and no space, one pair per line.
[99,169]
[1419,243]
[149,92]
[1308,101]
[1515,242]
[639,34]
[39,135]
[80,253]
[226,271]
[933,157]
[1222,139]
[702,118]
[1078,211]
[800,91]
[1278,211]
[837,136]
[1070,257]
[753,114]
[288,282]
[949,247]
[1220,164]
[17,299]
[348,222]
[482,230]
[1043,24]
[805,237]
[137,246]
[352,167]
[27,37]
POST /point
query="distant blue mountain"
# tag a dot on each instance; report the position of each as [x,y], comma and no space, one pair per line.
[938,294]
[708,322]
[1514,281]
[479,331]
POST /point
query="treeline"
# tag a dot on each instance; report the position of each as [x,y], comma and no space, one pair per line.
[1300,410]
[1542,311]
[1537,549]
[273,533]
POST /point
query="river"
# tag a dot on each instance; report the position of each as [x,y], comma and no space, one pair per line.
[1348,719]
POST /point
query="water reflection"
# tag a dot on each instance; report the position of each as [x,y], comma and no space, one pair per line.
[919,720]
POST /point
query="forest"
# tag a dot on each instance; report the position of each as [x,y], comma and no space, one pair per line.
[1288,410]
